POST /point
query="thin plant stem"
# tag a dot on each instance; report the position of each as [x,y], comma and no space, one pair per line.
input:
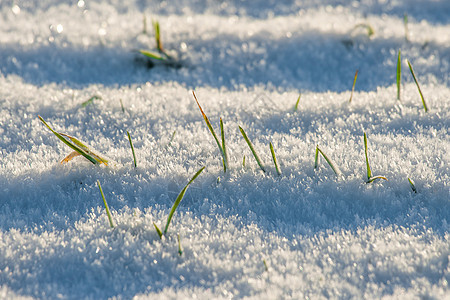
[106,205]
[418,87]
[250,145]
[132,149]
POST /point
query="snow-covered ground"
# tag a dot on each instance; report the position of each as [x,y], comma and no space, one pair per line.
[245,234]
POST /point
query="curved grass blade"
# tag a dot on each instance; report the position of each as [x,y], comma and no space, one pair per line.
[179,198]
[298,101]
[106,205]
[274,159]
[132,149]
[329,161]
[74,147]
[353,87]
[399,74]
[372,179]
[413,187]
[90,100]
[252,149]
[418,87]
[211,129]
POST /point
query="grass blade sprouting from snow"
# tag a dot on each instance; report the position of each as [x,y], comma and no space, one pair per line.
[171,139]
[224,148]
[399,74]
[180,248]
[90,100]
[152,54]
[132,149]
[418,87]
[413,187]
[211,129]
[106,205]
[353,87]
[157,36]
[77,146]
[179,198]
[329,161]
[160,234]
[121,105]
[405,23]
[298,101]
[370,178]
[274,159]
[252,149]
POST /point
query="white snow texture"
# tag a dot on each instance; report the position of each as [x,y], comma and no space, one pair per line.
[245,234]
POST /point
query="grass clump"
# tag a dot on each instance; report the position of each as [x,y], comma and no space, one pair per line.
[370,178]
[175,205]
[222,148]
[418,87]
[250,145]
[79,147]
[329,161]
[106,205]
[353,86]
[132,149]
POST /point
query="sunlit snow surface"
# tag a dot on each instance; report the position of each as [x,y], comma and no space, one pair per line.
[319,236]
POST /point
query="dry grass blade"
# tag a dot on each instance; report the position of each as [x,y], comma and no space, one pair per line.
[250,145]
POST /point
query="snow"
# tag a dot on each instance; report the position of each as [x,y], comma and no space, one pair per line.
[319,235]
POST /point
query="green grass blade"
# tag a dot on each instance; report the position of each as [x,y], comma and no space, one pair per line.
[121,105]
[157,36]
[252,149]
[90,100]
[405,23]
[399,74]
[65,141]
[372,179]
[180,248]
[353,87]
[158,230]
[243,162]
[132,149]
[298,101]
[274,159]
[369,172]
[211,129]
[106,205]
[179,198]
[418,87]
[224,148]
[152,54]
[171,139]
[316,158]
[413,187]
[329,161]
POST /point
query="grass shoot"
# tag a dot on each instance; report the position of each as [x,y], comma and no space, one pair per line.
[106,205]
[369,29]
[298,101]
[399,74]
[132,149]
[274,159]
[370,178]
[121,105]
[329,161]
[243,162]
[91,100]
[171,139]
[222,147]
[158,41]
[250,145]
[418,87]
[178,200]
[160,234]
[353,86]
[78,147]
[180,248]
[266,268]
[413,187]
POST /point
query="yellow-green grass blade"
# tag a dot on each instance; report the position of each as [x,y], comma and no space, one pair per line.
[179,198]
[399,74]
[372,179]
[266,268]
[180,248]
[243,162]
[274,159]
[224,148]
[71,145]
[405,23]
[152,54]
[333,166]
[369,29]
[353,87]
[250,145]
[369,172]
[418,87]
[160,234]
[413,187]
[87,150]
[132,149]
[298,101]
[106,205]
[211,129]
[157,36]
